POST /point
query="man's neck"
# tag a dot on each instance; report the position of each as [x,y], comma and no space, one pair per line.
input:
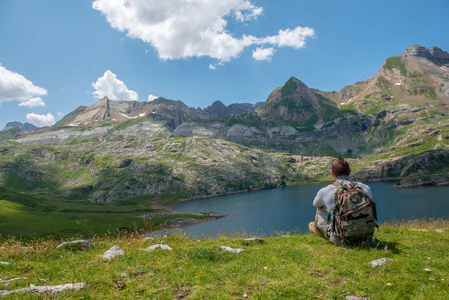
[342,177]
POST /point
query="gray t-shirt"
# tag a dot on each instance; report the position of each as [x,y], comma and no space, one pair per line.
[325,196]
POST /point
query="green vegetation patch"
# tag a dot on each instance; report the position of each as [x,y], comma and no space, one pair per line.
[250,119]
[395,62]
[26,217]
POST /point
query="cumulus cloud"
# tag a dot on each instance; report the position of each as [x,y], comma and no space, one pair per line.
[109,86]
[263,53]
[182,29]
[33,102]
[15,87]
[40,120]
[152,97]
[295,38]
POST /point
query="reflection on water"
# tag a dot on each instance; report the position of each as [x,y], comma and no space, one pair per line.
[289,210]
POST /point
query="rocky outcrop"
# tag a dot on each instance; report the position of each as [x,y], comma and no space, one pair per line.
[427,168]
[216,130]
[433,54]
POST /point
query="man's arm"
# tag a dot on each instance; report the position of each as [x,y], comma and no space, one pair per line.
[367,190]
[318,202]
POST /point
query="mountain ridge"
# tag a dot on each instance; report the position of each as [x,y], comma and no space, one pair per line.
[395,127]
[417,59]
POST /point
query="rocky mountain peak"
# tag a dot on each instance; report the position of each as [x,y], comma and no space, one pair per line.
[295,102]
[433,54]
[218,110]
[24,127]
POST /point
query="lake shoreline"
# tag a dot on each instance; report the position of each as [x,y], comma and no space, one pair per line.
[190,222]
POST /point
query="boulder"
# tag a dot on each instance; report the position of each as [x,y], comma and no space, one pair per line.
[79,244]
[380,261]
[157,246]
[113,252]
[232,250]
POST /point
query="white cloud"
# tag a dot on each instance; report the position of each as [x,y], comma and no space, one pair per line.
[152,97]
[182,29]
[295,38]
[40,120]
[113,88]
[263,53]
[15,87]
[33,102]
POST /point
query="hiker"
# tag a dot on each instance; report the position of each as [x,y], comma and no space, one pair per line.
[327,199]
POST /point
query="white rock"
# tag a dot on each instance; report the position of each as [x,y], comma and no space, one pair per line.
[255,239]
[46,289]
[157,246]
[81,243]
[232,250]
[352,297]
[13,279]
[380,261]
[113,252]
[4,263]
[436,230]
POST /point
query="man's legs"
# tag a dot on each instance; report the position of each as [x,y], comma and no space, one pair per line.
[321,221]
[323,225]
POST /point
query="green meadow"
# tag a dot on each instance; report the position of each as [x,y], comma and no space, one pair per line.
[33,216]
[279,267]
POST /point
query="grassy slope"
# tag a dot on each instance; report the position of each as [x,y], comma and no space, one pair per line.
[37,216]
[295,267]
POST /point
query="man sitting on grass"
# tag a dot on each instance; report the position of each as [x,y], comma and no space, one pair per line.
[325,200]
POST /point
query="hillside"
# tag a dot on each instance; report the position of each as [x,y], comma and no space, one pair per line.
[417,75]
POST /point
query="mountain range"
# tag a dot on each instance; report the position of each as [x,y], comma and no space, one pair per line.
[393,125]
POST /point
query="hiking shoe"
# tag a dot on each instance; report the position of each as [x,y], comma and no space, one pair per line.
[315,230]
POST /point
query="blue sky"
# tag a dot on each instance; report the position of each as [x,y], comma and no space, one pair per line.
[58,55]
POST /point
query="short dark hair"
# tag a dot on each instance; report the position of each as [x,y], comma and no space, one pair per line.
[340,167]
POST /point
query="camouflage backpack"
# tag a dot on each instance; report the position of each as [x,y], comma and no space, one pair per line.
[354,215]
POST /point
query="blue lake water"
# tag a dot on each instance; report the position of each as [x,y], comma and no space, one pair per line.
[289,209]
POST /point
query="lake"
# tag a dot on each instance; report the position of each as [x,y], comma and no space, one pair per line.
[289,209]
